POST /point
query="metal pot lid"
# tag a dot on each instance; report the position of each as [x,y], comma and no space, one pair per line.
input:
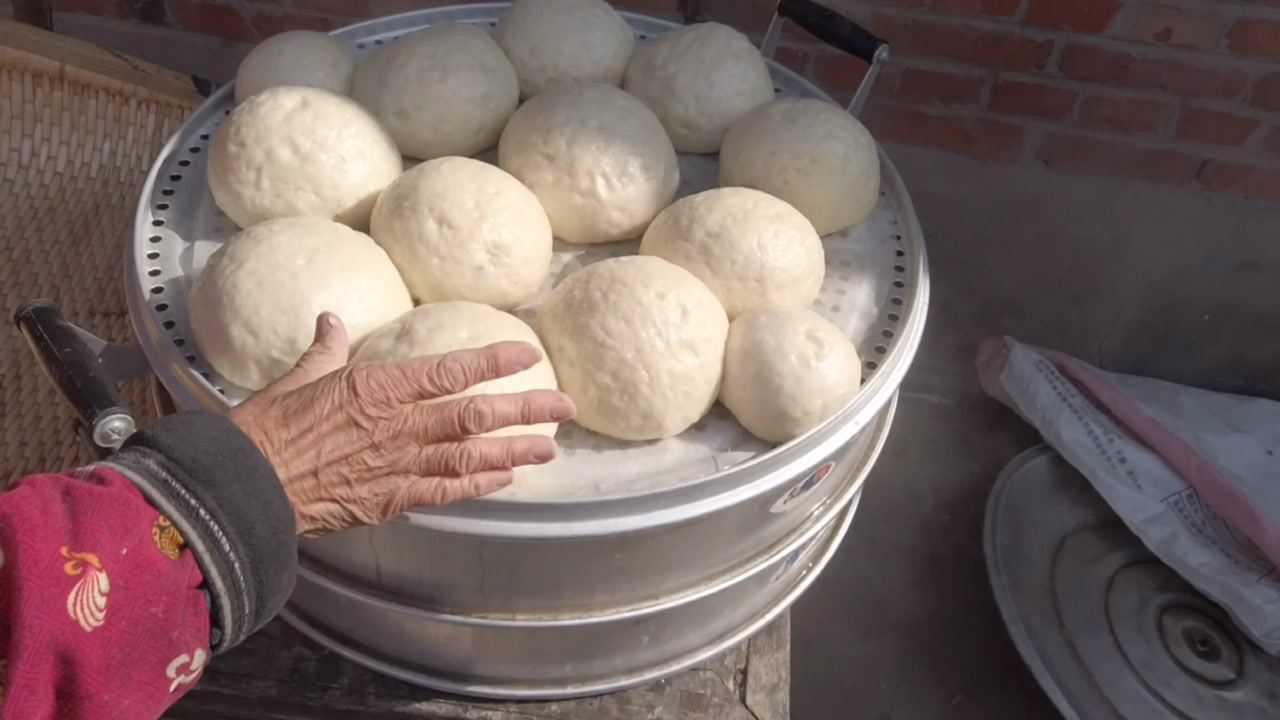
[1109,631]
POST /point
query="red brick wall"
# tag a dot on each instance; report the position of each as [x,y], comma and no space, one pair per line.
[1183,92]
[1180,92]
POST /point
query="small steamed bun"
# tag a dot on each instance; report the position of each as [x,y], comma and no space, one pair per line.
[440,328]
[810,153]
[699,80]
[596,157]
[786,370]
[462,229]
[291,151]
[749,247]
[554,41]
[445,90]
[638,344]
[297,57]
[254,307]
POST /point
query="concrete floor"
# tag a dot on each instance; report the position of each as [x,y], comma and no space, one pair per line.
[1134,278]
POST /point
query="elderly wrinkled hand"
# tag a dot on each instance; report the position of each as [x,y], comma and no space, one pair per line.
[359,444]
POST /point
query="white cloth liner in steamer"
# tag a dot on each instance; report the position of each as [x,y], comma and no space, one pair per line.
[866,293]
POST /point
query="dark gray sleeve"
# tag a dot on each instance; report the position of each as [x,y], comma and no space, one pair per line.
[214,485]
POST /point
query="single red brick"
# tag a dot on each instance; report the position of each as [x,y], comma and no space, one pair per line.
[211,18]
[1189,79]
[1255,37]
[1239,179]
[101,8]
[1085,16]
[1167,25]
[975,46]
[795,35]
[1272,141]
[381,8]
[1122,114]
[1213,127]
[1019,97]
[839,73]
[1080,155]
[337,8]
[977,8]
[1096,64]
[268,24]
[1266,92]
[794,58]
[917,86]
[886,87]
[1091,63]
[980,138]
[666,8]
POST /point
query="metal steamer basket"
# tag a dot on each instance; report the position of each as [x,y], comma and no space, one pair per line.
[648,566]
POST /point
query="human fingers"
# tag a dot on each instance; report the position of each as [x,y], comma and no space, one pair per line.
[263,417]
[438,376]
[478,454]
[479,414]
[328,352]
[434,491]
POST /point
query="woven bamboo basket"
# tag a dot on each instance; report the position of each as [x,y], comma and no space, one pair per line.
[79,128]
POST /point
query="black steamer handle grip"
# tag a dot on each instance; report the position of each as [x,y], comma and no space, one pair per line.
[832,28]
[74,368]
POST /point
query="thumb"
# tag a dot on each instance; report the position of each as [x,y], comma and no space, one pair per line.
[328,352]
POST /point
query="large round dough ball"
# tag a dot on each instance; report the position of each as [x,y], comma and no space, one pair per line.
[254,308]
[462,229]
[297,57]
[810,153]
[786,370]
[291,151]
[699,80]
[444,327]
[749,247]
[446,90]
[638,343]
[552,41]
[596,157]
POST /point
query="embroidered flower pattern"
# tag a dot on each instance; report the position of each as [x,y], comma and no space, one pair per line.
[87,602]
[185,668]
[167,538]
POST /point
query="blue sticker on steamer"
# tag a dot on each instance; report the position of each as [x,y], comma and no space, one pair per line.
[792,559]
[803,487]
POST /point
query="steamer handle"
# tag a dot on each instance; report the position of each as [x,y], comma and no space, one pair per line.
[832,28]
[76,371]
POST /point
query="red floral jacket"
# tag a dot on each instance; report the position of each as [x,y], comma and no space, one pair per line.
[101,612]
[106,610]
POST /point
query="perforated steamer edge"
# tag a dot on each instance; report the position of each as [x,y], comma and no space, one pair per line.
[157,288]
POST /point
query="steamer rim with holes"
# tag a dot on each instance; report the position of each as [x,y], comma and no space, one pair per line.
[177,226]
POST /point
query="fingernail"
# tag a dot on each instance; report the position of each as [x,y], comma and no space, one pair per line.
[563,411]
[330,320]
[544,454]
